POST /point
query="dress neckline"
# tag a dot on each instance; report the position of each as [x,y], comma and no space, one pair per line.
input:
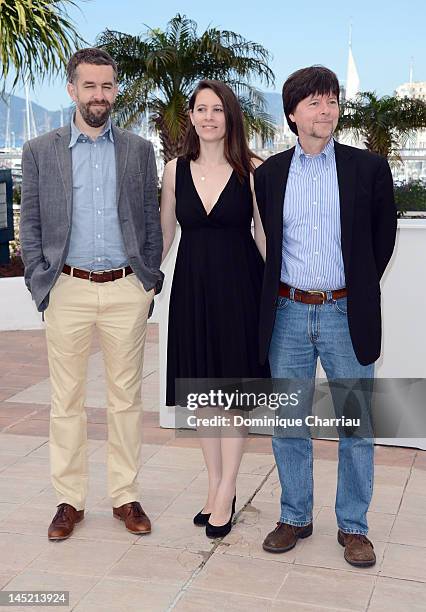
[199,197]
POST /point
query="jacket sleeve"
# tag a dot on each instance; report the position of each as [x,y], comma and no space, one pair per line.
[384,217]
[153,245]
[30,223]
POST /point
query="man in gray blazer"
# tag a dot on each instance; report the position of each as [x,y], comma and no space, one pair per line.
[91,243]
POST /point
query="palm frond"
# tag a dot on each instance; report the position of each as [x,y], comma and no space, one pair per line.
[36,38]
[256,120]
[131,103]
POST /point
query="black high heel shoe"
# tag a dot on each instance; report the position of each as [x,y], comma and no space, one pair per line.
[201,518]
[220,531]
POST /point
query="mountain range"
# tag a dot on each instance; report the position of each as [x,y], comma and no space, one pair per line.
[46,120]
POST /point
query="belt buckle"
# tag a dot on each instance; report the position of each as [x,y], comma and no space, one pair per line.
[91,273]
[317,292]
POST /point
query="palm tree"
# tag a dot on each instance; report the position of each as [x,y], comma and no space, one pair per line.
[383,123]
[36,38]
[159,71]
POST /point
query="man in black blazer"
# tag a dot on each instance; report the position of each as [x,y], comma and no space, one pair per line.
[330,221]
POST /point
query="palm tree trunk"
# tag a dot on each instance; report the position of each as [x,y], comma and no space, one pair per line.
[171,147]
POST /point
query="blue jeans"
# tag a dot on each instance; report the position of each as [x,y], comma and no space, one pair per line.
[302,333]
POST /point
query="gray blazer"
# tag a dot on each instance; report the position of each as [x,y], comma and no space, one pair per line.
[46,209]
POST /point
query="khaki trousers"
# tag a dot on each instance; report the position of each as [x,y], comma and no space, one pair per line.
[119,310]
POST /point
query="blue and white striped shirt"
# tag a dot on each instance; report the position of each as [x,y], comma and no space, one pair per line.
[311,247]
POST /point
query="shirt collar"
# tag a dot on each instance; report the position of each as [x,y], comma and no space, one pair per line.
[79,136]
[326,154]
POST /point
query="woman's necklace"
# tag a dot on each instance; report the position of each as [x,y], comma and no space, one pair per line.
[203,174]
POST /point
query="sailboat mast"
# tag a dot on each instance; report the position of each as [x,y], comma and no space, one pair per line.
[7,135]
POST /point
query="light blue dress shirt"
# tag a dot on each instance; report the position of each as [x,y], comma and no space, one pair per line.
[96,241]
[311,247]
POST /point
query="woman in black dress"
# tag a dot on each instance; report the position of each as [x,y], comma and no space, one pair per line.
[214,302]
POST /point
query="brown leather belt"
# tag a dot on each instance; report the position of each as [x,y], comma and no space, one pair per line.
[101,276]
[311,297]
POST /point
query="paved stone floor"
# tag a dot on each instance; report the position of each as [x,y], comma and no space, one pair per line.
[106,569]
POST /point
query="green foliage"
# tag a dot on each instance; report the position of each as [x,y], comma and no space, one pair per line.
[410,196]
[382,123]
[36,38]
[158,72]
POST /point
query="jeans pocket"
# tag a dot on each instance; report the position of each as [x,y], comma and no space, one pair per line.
[282,302]
[341,305]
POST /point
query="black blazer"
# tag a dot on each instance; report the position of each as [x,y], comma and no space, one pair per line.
[368,231]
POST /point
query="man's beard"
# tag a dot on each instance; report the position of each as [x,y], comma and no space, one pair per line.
[95,119]
[317,133]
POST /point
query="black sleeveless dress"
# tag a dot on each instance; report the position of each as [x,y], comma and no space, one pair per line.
[214,301]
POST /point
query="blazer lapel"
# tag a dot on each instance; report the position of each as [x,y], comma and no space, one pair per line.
[346,176]
[121,141]
[279,183]
[63,156]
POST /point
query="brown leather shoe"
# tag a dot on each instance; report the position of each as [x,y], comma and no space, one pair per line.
[63,522]
[285,536]
[358,549]
[134,518]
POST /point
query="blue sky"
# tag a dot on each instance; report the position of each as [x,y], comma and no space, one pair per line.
[386,34]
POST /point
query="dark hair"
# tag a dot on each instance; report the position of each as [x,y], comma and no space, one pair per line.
[91,55]
[236,149]
[307,82]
